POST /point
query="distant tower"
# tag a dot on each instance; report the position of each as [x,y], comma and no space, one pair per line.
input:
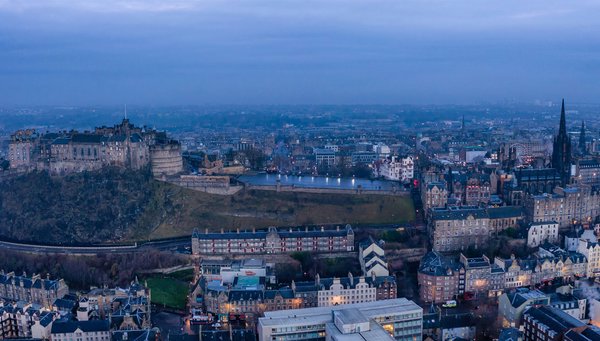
[561,151]
[582,148]
[462,128]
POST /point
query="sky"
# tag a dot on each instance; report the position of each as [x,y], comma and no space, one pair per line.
[180,52]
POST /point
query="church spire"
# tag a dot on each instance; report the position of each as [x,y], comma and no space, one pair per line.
[561,151]
[562,130]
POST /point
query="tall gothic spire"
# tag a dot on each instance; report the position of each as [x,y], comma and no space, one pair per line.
[562,130]
[561,151]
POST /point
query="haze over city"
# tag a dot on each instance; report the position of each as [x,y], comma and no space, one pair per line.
[297,52]
[270,170]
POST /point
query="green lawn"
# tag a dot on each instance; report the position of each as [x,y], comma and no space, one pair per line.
[168,292]
[182,275]
[253,208]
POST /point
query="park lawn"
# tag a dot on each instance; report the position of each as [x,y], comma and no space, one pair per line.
[186,275]
[168,292]
[259,209]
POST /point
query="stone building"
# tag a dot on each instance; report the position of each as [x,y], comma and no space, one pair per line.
[123,145]
[349,290]
[440,278]
[34,289]
[457,228]
[443,278]
[166,159]
[397,168]
[435,194]
[591,250]
[249,303]
[478,190]
[274,241]
[566,206]
[18,320]
[540,232]
[550,323]
[96,330]
[127,308]
[587,172]
[21,148]
[537,181]
[482,278]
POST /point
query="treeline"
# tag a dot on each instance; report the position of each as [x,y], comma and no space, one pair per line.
[89,207]
[81,272]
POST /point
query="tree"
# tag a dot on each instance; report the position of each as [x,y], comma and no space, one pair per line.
[287,272]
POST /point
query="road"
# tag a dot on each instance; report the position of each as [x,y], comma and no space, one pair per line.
[174,245]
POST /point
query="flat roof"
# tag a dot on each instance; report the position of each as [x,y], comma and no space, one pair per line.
[324,314]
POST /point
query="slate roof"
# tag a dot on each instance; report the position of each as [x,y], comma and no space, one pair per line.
[554,318]
[521,296]
[64,304]
[510,334]
[285,293]
[46,318]
[262,234]
[435,264]
[62,327]
[457,321]
[28,283]
[346,282]
[245,295]
[505,212]
[87,138]
[458,213]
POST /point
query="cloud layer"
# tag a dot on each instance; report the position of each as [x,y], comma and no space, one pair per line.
[278,51]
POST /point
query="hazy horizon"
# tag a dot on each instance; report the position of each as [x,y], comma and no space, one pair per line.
[268,52]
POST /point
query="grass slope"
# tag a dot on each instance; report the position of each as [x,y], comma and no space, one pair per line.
[118,205]
[248,209]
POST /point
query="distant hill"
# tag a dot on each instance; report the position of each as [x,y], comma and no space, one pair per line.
[114,205]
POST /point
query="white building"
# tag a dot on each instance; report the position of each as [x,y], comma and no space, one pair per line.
[41,327]
[227,270]
[591,251]
[372,258]
[95,330]
[381,149]
[540,232]
[573,237]
[349,292]
[400,318]
[350,324]
[324,157]
[397,169]
[333,147]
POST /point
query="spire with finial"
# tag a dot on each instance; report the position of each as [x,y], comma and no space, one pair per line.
[562,130]
[561,149]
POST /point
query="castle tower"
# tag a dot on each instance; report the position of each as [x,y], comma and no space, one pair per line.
[561,151]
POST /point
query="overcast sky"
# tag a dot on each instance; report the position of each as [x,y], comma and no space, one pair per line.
[297,52]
